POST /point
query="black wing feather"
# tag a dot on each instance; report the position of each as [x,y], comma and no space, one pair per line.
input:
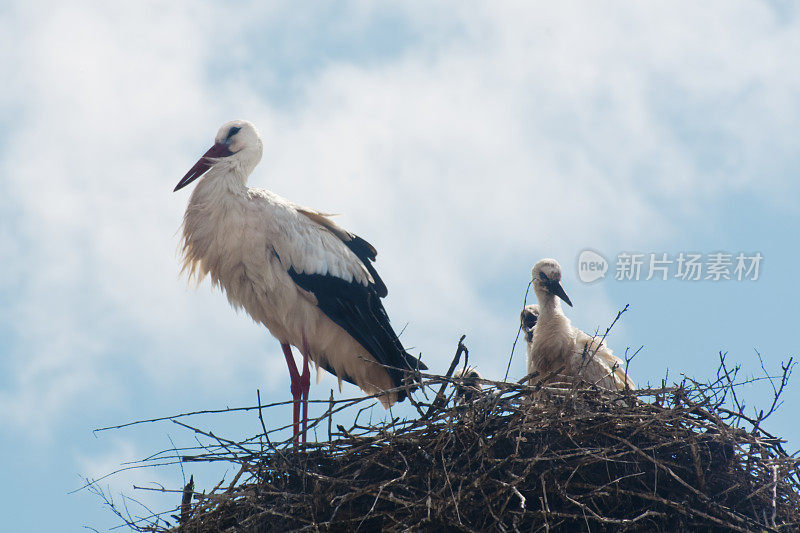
[367,254]
[358,310]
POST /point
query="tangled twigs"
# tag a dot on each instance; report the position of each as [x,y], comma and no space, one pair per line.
[439,400]
[517,458]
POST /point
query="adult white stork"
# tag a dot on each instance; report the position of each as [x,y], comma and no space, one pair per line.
[292,269]
[557,343]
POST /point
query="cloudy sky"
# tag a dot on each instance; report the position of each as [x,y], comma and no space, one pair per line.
[465,140]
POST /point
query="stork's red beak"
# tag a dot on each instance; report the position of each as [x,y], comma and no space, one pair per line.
[203,164]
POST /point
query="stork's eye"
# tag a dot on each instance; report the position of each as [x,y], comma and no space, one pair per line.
[233,131]
[543,276]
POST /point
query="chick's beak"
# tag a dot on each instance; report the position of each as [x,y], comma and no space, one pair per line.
[556,288]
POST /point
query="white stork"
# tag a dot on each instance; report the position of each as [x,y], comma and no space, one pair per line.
[292,269]
[557,343]
[527,319]
[469,386]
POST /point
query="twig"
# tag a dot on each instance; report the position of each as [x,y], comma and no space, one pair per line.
[438,400]
[186,501]
[519,330]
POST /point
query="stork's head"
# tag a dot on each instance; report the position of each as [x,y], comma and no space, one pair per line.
[528,319]
[546,279]
[237,144]
[468,373]
[469,387]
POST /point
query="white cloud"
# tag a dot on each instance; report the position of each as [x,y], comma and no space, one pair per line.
[102,91]
[496,136]
[118,470]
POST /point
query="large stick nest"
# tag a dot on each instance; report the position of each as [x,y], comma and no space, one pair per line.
[512,458]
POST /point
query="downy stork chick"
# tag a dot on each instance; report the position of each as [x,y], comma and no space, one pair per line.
[527,319]
[556,343]
[469,389]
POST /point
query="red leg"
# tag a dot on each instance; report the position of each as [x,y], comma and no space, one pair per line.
[305,385]
[295,387]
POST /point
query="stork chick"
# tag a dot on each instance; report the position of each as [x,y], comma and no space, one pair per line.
[527,319]
[556,343]
[470,387]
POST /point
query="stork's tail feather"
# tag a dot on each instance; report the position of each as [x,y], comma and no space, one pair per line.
[411,363]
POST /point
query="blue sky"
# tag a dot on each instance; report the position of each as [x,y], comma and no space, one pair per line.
[465,140]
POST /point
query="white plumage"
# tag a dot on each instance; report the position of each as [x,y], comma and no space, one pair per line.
[556,343]
[292,269]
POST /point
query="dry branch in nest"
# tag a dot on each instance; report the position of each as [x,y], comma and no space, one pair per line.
[517,458]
